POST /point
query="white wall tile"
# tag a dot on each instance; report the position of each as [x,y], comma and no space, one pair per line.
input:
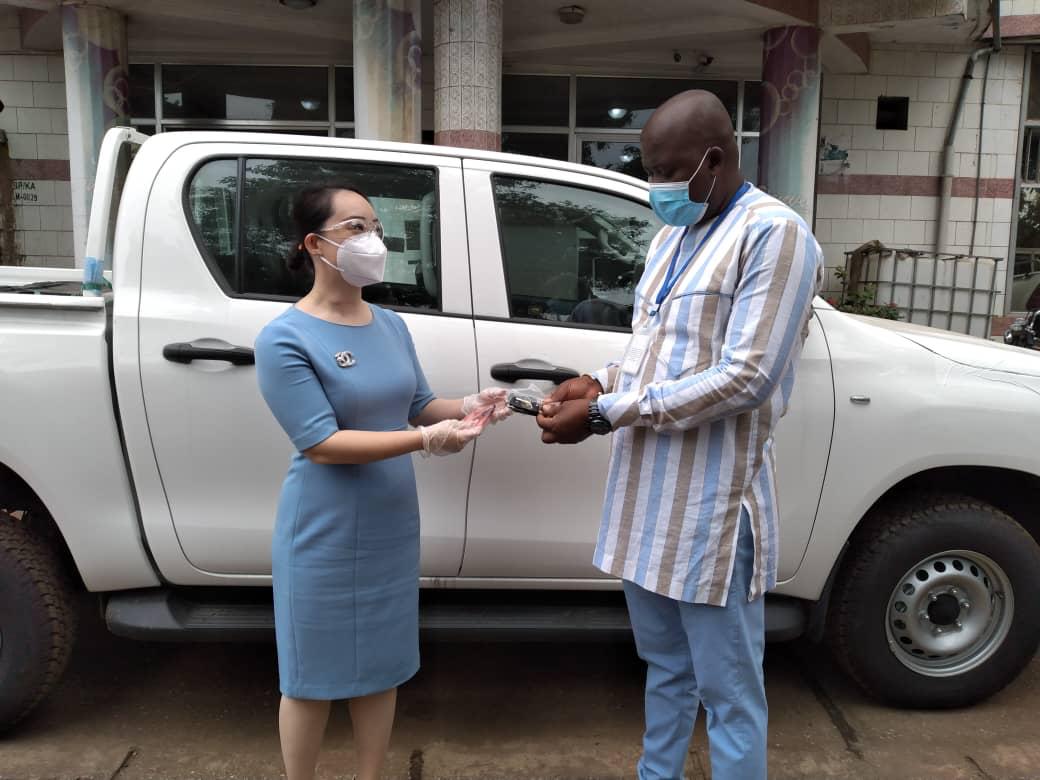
[828,111]
[62,193]
[942,115]
[894,206]
[857,112]
[950,65]
[970,116]
[16,94]
[6,67]
[27,217]
[1011,95]
[924,207]
[22,146]
[935,90]
[34,120]
[878,230]
[55,68]
[962,233]
[1005,166]
[883,163]
[888,63]
[902,86]
[53,147]
[48,94]
[1002,209]
[905,232]
[1002,117]
[985,209]
[921,113]
[929,139]
[839,135]
[913,163]
[832,206]
[55,218]
[864,206]
[59,120]
[822,229]
[898,140]
[920,63]
[9,120]
[1000,233]
[66,243]
[858,161]
[30,67]
[864,137]
[966,141]
[869,87]
[960,209]
[40,242]
[838,86]
[849,231]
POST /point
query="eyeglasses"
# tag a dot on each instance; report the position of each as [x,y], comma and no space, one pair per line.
[356,226]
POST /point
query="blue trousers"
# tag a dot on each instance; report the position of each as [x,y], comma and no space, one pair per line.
[701,654]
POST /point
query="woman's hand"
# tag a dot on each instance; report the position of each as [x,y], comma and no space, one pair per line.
[448,437]
[490,397]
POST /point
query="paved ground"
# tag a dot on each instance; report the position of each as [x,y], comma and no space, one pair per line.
[149,711]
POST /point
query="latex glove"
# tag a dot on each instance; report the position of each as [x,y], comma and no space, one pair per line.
[447,437]
[495,397]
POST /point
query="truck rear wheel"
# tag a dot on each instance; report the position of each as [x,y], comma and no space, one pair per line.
[938,603]
[37,619]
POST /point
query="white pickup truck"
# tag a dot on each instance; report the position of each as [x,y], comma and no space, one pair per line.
[138,461]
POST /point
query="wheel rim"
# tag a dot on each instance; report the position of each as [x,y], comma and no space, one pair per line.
[949,613]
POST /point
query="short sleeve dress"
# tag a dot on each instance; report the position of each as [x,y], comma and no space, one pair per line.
[345,552]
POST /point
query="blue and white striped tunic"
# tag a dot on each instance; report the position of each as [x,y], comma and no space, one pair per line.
[694,415]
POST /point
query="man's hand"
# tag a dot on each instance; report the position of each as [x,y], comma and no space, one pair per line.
[582,387]
[565,422]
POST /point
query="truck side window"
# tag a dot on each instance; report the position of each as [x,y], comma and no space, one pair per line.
[571,254]
[213,204]
[247,255]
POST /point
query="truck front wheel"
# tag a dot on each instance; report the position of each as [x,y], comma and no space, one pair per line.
[37,619]
[938,603]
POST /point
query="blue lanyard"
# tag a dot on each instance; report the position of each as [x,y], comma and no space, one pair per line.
[673,278]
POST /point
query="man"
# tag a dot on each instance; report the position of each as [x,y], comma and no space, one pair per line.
[690,517]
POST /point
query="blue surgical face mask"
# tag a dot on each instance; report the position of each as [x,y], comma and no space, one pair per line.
[672,204]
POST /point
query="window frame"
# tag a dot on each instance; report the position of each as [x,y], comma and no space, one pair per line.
[505,268]
[222,280]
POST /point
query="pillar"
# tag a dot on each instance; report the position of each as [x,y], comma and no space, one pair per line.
[388,70]
[788,143]
[97,89]
[467,40]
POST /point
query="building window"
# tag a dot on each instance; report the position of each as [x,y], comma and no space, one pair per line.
[303,100]
[596,120]
[1025,279]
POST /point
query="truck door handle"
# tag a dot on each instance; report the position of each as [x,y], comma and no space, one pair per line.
[512,372]
[185,353]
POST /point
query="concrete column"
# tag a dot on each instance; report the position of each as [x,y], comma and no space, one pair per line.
[467,106]
[787,149]
[388,70]
[97,90]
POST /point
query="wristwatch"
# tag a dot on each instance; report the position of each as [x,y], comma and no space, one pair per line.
[598,424]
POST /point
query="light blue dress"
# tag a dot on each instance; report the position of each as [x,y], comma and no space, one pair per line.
[345,554]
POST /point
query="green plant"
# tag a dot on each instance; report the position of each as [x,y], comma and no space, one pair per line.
[862,299]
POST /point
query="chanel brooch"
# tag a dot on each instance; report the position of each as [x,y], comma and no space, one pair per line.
[345,359]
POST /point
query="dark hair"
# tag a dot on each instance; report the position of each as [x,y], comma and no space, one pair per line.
[311,209]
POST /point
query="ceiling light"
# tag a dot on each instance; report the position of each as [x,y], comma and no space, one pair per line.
[310,105]
[571,14]
[299,5]
[617,113]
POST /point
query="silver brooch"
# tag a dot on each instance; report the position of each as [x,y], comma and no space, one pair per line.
[345,359]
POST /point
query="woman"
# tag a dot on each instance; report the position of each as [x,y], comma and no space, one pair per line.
[343,380]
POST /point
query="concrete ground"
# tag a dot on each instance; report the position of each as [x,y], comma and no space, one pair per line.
[132,711]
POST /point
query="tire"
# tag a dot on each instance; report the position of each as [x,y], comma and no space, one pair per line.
[938,603]
[37,620]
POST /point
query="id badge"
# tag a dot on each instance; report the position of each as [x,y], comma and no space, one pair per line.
[636,353]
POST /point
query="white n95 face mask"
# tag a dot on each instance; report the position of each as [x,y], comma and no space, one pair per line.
[360,260]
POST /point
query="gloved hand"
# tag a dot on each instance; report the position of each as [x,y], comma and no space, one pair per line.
[447,437]
[494,397]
